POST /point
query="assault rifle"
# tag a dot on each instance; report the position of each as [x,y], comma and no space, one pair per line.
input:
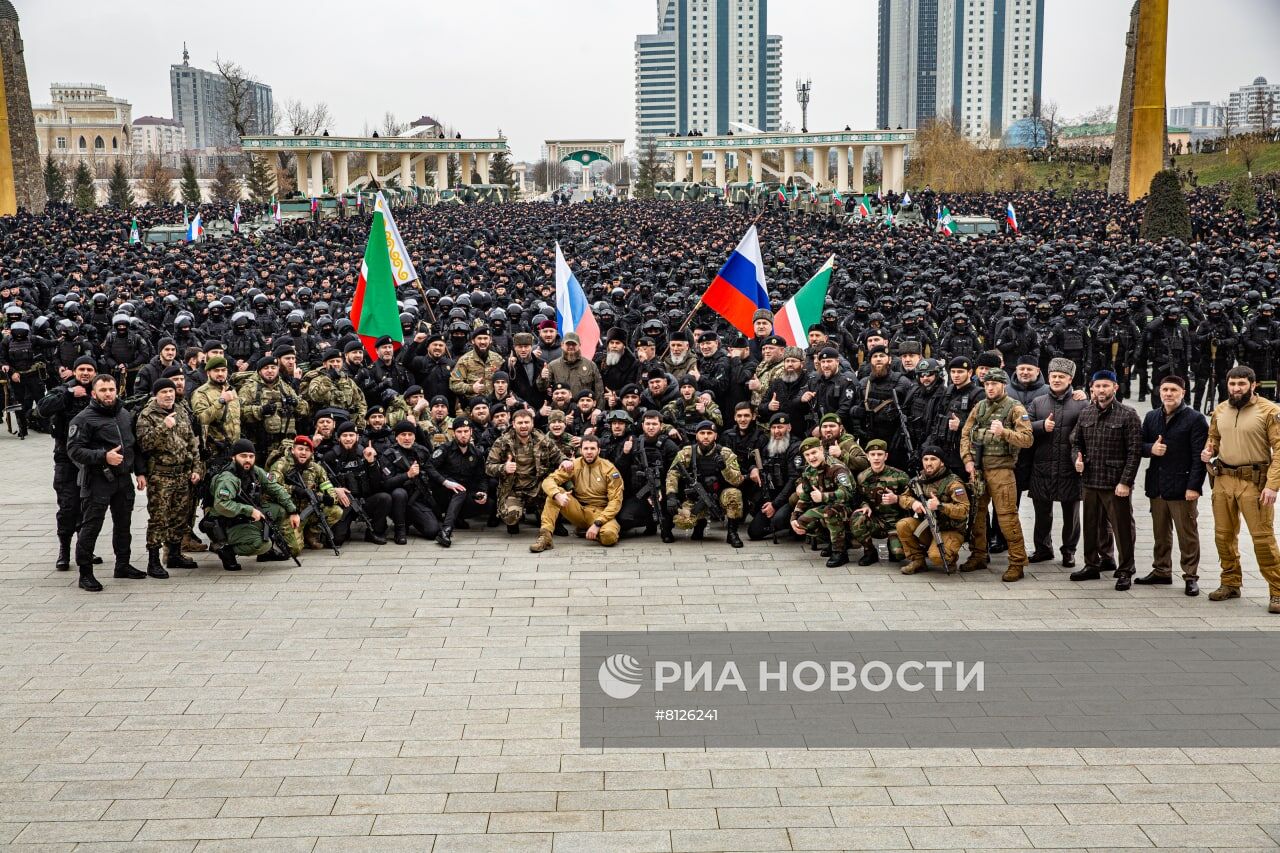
[651,487]
[357,504]
[770,488]
[930,520]
[314,507]
[702,498]
[906,431]
[273,534]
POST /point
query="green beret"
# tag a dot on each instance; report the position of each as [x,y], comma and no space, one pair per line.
[214,363]
[877,444]
[830,418]
[810,442]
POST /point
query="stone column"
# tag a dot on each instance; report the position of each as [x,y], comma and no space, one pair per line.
[892,177]
[697,166]
[340,172]
[371,164]
[482,166]
[719,158]
[842,169]
[406,168]
[420,172]
[316,186]
[757,165]
[856,170]
[681,165]
[788,163]
[744,170]
[820,166]
[464,161]
[442,171]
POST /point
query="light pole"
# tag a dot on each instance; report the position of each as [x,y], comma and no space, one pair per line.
[802,95]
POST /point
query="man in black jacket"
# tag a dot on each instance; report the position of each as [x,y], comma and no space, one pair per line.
[61,405]
[100,442]
[1172,438]
[458,469]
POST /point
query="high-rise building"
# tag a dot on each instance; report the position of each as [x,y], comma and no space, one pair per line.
[201,102]
[157,136]
[906,73]
[1254,107]
[711,64]
[990,58]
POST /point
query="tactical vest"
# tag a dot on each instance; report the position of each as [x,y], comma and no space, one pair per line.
[994,446]
[708,466]
[22,354]
[1072,340]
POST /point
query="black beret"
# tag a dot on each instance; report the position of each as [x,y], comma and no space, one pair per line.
[353,346]
[284,349]
[330,352]
[171,371]
[829,352]
[266,361]
[477,401]
[960,362]
[656,373]
[412,390]
[376,409]
[775,340]
[708,336]
[346,426]
[383,341]
[629,388]
[704,425]
[480,330]
[878,348]
[462,422]
[585,393]
[779,418]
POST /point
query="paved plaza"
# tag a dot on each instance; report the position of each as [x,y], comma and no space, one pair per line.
[420,699]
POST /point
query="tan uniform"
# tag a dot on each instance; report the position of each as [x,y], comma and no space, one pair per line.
[595,499]
[1247,438]
[999,455]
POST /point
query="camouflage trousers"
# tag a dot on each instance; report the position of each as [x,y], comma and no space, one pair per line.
[863,530]
[249,539]
[169,506]
[513,505]
[921,545]
[309,532]
[833,518]
[730,501]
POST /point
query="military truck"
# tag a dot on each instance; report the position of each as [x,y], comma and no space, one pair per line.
[969,227]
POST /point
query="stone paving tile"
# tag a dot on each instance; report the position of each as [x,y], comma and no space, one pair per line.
[393,699]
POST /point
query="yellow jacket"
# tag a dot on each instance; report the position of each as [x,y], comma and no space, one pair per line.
[596,485]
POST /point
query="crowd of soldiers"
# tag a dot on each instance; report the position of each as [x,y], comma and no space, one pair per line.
[944,380]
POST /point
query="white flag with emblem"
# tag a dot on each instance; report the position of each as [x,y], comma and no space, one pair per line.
[401,263]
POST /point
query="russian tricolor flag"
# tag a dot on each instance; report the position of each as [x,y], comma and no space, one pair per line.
[573,313]
[195,229]
[739,289]
[1011,217]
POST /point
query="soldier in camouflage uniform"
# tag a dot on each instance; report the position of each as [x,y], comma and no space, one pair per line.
[840,445]
[824,490]
[217,409]
[519,461]
[299,463]
[950,504]
[770,366]
[472,375]
[716,468]
[173,467]
[333,387]
[689,409]
[235,490]
[438,427]
[269,407]
[876,510]
[558,432]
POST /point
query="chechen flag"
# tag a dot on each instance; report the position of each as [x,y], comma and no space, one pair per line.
[374,310]
[805,308]
[573,313]
[739,289]
[1011,217]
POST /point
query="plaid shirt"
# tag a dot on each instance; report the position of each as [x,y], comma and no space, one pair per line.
[1111,441]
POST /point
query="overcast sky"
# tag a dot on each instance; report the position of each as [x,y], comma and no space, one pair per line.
[543,69]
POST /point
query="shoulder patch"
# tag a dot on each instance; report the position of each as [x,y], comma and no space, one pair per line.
[271,477]
[843,479]
[615,476]
[959,492]
[438,453]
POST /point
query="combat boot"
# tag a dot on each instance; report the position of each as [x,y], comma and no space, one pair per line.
[371,535]
[192,543]
[272,556]
[731,536]
[445,537]
[179,560]
[916,565]
[1222,593]
[87,581]
[125,571]
[399,536]
[838,558]
[973,564]
[699,529]
[311,540]
[1012,574]
[1274,606]
[544,542]
[513,530]
[64,554]
[228,556]
[154,569]
[870,556]
[668,536]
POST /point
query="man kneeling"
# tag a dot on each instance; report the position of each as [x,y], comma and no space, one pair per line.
[241,494]
[593,504]
[949,503]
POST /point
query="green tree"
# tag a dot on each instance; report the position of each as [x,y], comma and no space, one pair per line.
[226,186]
[119,193]
[261,181]
[82,191]
[55,182]
[500,171]
[1242,198]
[650,170]
[189,189]
[1166,214]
